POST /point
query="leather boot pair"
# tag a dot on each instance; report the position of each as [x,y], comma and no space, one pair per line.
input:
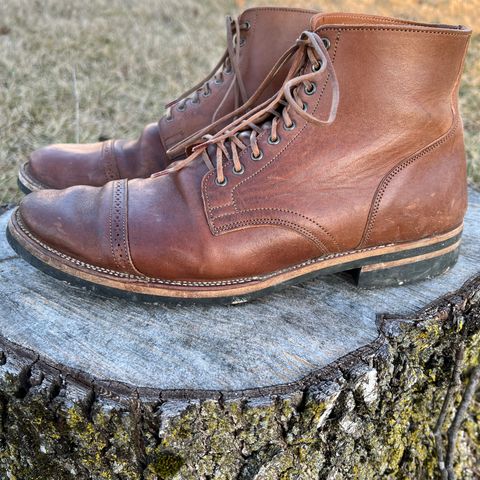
[255,41]
[357,163]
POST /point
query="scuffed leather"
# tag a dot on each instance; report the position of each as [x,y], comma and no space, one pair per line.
[312,194]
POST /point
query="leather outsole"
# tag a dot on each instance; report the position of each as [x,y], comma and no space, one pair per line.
[380,266]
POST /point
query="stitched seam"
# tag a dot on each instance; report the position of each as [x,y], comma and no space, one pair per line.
[275,221]
[391,175]
[376,17]
[124,220]
[211,217]
[395,29]
[323,229]
[274,9]
[110,226]
[115,217]
[454,105]
[110,160]
[144,278]
[119,227]
[287,145]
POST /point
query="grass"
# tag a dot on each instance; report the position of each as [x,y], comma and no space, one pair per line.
[130,57]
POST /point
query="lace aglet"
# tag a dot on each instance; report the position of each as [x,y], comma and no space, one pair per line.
[198,146]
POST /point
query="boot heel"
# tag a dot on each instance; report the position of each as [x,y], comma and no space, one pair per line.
[407,270]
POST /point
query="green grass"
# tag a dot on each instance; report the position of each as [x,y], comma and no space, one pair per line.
[133,56]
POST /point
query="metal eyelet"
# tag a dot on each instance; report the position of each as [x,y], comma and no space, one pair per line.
[305,106]
[228,72]
[247,25]
[221,184]
[218,82]
[169,118]
[181,107]
[238,172]
[326,42]
[316,68]
[207,94]
[254,158]
[242,42]
[311,90]
[290,127]
[273,142]
[195,101]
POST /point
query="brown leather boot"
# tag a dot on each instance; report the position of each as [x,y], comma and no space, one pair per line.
[254,43]
[357,164]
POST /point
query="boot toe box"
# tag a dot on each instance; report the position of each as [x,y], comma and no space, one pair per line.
[64,165]
[71,222]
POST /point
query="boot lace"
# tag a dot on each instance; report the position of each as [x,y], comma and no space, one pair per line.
[228,65]
[309,49]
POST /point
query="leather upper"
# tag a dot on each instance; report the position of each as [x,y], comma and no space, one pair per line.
[389,168]
[270,32]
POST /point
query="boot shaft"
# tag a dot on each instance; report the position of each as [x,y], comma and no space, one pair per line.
[397,118]
[266,33]
[393,74]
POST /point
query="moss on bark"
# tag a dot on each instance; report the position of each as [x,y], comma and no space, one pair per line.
[369,416]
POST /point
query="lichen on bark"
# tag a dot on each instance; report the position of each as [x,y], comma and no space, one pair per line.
[371,415]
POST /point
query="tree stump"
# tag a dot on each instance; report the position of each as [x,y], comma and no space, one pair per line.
[323,380]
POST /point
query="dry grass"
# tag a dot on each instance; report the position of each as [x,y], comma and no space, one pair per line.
[132,56]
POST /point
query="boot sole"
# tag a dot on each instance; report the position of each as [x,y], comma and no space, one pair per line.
[26,183]
[381,266]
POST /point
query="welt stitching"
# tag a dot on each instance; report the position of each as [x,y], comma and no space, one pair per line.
[146,279]
[275,221]
[324,230]
[397,169]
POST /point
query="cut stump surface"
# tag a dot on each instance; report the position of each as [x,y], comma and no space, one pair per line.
[259,390]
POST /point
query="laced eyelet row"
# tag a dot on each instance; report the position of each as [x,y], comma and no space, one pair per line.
[182,106]
[258,157]
[221,184]
[273,141]
[238,172]
[310,91]
[316,62]
[246,26]
[327,44]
